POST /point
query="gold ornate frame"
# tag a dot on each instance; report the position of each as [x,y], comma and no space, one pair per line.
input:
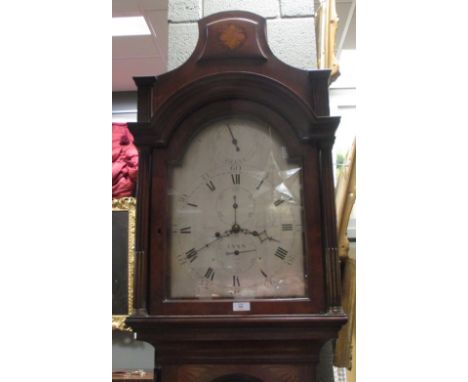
[345,198]
[345,352]
[326,27]
[127,204]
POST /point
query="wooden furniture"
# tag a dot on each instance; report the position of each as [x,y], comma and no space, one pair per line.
[123,241]
[230,333]
[345,350]
[132,376]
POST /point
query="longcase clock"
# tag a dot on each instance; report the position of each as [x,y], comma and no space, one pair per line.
[237,275]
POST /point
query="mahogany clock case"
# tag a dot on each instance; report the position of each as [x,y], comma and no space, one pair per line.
[232,72]
[212,84]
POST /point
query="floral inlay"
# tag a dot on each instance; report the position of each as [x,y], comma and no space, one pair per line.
[232,37]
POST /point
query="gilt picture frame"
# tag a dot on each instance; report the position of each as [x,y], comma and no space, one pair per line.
[345,353]
[123,260]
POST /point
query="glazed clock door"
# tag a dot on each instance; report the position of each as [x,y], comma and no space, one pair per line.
[236,209]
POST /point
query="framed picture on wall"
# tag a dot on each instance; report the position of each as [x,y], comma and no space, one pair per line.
[123,258]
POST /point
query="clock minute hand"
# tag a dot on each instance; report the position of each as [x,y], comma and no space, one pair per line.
[235,205]
[235,227]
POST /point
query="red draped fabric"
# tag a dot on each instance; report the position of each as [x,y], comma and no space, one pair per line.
[124,161]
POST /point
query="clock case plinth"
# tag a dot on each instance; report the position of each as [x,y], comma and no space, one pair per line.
[232,71]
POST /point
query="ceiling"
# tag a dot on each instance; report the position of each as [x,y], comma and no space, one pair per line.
[147,55]
[139,55]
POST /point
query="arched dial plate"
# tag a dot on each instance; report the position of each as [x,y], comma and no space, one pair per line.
[236,216]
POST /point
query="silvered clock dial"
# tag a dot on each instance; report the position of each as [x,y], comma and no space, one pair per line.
[236,208]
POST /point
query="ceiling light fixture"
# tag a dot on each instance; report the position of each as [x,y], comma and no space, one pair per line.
[129,26]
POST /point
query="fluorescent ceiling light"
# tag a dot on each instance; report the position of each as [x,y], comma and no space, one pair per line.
[129,26]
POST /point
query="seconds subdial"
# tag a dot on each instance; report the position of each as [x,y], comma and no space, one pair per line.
[235,143]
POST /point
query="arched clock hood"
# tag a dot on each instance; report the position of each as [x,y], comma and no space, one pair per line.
[232,72]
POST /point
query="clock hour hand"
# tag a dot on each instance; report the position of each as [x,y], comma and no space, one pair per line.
[235,227]
[262,236]
[234,140]
[236,252]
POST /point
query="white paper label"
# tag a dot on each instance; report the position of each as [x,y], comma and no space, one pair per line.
[241,306]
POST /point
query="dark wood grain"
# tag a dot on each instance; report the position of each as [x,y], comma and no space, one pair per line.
[233,72]
[132,376]
[120,304]
[142,230]
[330,240]
[144,98]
